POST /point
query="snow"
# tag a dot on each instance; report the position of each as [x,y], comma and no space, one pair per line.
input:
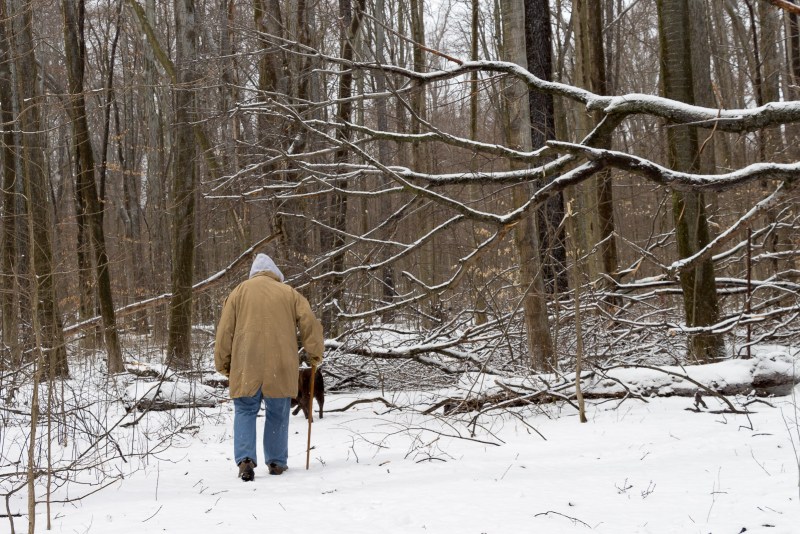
[637,466]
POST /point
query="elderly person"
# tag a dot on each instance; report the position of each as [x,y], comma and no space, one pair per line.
[256,347]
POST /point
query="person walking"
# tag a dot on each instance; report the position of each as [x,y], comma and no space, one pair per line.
[256,348]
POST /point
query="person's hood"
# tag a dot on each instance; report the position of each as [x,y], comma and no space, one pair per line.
[264,263]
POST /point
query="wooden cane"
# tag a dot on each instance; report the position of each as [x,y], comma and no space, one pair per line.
[310,414]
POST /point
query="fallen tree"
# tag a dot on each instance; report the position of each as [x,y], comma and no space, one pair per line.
[769,373]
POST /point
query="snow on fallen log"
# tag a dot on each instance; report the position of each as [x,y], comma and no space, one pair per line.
[770,372]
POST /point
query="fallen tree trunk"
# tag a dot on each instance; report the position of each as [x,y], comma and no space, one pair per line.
[762,376]
[765,375]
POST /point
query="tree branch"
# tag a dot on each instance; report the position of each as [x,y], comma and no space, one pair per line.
[681,181]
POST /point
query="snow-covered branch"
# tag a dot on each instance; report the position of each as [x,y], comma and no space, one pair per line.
[788,172]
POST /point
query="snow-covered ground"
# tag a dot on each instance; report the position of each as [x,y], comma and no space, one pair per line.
[636,467]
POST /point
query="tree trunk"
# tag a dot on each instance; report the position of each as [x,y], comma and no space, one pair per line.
[526,235]
[584,205]
[538,40]
[691,226]
[37,191]
[184,174]
[473,79]
[576,299]
[158,187]
[793,46]
[769,76]
[388,291]
[10,357]
[771,140]
[481,305]
[719,44]
[596,223]
[418,104]
[269,21]
[85,186]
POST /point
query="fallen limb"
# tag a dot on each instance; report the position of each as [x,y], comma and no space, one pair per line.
[364,401]
[763,375]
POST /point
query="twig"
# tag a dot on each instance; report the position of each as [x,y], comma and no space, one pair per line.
[574,520]
[152,516]
[753,401]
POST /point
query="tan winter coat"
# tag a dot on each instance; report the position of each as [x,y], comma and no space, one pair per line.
[256,344]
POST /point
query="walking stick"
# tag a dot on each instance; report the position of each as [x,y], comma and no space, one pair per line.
[310,414]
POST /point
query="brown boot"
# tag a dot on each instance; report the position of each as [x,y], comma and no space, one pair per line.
[247,470]
[275,469]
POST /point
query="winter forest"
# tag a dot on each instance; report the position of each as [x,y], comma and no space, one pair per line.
[511,217]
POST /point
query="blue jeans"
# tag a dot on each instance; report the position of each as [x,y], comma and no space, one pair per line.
[276,429]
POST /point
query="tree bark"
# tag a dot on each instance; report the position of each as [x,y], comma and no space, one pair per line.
[473,79]
[421,159]
[157,176]
[596,223]
[269,21]
[332,241]
[584,205]
[388,291]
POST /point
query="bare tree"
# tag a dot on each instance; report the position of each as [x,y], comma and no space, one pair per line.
[34,168]
[9,291]
[689,209]
[526,234]
[597,222]
[184,177]
[86,187]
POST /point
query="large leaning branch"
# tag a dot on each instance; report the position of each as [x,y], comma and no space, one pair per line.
[726,120]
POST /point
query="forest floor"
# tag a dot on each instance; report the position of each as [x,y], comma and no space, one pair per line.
[636,467]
